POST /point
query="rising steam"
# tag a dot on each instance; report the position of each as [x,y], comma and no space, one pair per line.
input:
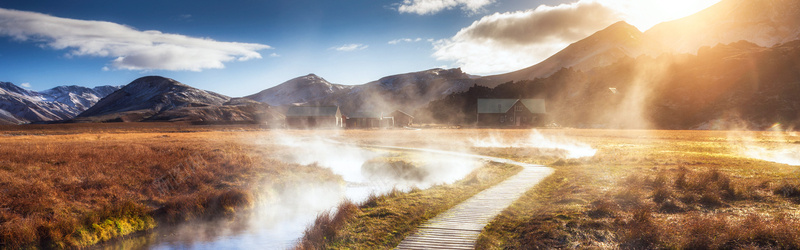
[776,145]
[573,149]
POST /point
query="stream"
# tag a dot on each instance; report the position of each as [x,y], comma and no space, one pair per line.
[280,223]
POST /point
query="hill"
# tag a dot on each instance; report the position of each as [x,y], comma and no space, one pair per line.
[763,22]
[155,98]
[737,85]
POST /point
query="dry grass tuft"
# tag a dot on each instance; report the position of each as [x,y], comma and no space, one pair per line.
[326,226]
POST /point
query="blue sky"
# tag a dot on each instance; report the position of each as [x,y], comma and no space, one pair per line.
[240,47]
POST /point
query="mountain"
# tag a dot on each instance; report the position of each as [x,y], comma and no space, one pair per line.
[20,105]
[31,106]
[763,22]
[299,90]
[602,48]
[729,86]
[155,98]
[403,91]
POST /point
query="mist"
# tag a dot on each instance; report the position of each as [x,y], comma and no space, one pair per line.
[571,148]
[777,145]
[284,209]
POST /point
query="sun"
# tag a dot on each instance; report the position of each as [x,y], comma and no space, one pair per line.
[644,14]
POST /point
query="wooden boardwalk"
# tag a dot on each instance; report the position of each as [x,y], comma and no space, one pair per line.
[459,227]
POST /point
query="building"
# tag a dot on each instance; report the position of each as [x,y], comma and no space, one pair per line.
[402,119]
[314,117]
[369,120]
[510,112]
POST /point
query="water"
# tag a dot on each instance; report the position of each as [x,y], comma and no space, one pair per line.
[280,223]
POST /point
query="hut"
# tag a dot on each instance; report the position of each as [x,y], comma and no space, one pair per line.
[510,112]
[314,117]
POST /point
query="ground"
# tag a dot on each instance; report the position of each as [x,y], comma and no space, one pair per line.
[76,185]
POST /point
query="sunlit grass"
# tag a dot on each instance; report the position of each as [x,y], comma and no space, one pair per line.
[67,186]
[659,189]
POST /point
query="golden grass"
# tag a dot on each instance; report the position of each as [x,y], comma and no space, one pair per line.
[70,186]
[656,189]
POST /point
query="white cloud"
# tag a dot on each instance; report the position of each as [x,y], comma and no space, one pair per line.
[26,85]
[131,49]
[274,55]
[513,40]
[405,40]
[425,7]
[350,47]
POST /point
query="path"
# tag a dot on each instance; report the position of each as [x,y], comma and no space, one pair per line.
[459,227]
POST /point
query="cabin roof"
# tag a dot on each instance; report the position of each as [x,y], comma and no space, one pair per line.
[501,106]
[404,113]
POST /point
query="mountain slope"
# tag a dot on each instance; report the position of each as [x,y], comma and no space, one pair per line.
[602,48]
[31,106]
[155,98]
[59,103]
[81,98]
[7,118]
[153,94]
[730,86]
[298,90]
[763,22]
[403,91]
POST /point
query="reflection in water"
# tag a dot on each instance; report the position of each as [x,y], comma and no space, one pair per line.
[279,220]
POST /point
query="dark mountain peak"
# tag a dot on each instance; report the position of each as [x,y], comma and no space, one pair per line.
[297,90]
[619,32]
[154,94]
[602,48]
[155,83]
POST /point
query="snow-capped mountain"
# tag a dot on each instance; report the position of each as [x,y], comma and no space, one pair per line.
[299,90]
[59,103]
[155,98]
[763,22]
[602,48]
[79,97]
[403,91]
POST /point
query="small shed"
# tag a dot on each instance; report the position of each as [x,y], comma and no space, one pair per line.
[402,119]
[314,117]
[510,112]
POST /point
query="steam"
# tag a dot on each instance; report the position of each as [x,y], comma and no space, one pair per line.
[789,155]
[573,148]
[349,160]
[775,145]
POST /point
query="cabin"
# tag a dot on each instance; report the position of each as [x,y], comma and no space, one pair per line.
[401,119]
[369,120]
[510,112]
[314,117]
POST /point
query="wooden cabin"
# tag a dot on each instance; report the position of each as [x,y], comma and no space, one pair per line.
[510,112]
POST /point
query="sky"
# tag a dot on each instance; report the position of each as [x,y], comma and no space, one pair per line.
[240,47]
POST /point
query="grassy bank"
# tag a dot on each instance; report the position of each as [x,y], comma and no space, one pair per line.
[674,189]
[67,186]
[383,221]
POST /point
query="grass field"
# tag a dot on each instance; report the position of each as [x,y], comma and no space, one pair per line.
[74,185]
